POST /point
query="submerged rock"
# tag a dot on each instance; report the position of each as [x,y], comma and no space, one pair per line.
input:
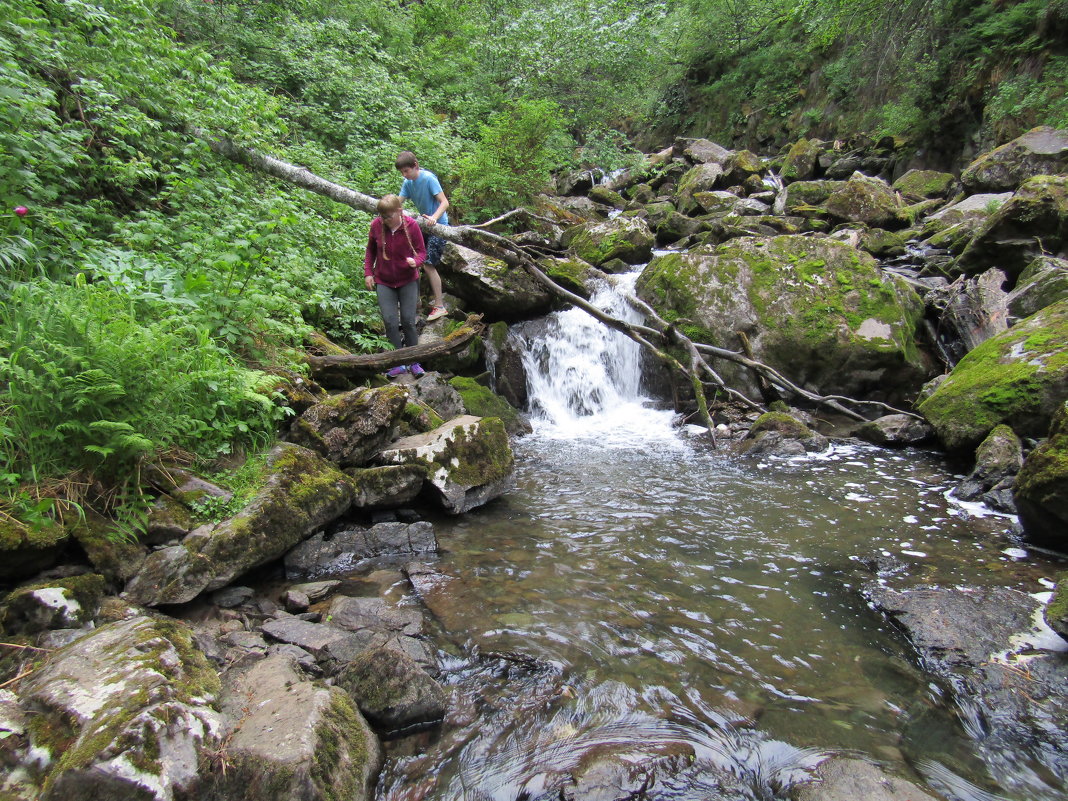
[847,779]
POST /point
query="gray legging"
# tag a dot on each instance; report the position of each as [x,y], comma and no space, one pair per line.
[406,300]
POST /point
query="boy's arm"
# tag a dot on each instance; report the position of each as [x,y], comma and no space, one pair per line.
[443,204]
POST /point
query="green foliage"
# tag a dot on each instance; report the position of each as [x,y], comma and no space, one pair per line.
[514,158]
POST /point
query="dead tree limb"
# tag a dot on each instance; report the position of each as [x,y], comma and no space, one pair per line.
[659,337]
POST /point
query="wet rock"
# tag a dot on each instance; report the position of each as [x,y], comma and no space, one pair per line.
[997,461]
[971,310]
[288,738]
[1041,489]
[1019,378]
[920,184]
[58,604]
[387,487]
[481,401]
[1033,223]
[625,238]
[1042,283]
[1040,151]
[349,428]
[571,274]
[896,431]
[1056,611]
[356,614]
[510,374]
[318,639]
[124,713]
[392,690]
[607,197]
[780,434]
[469,461]
[986,646]
[491,286]
[302,492]
[321,555]
[846,779]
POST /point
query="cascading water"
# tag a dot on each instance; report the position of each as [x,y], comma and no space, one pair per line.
[584,379]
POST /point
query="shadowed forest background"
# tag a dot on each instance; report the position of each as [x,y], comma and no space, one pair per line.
[148,287]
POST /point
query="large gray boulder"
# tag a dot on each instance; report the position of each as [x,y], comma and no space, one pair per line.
[301,493]
[867,200]
[491,286]
[1042,283]
[392,690]
[819,311]
[849,779]
[124,713]
[349,428]
[970,311]
[702,178]
[288,738]
[468,460]
[62,603]
[1033,223]
[1040,151]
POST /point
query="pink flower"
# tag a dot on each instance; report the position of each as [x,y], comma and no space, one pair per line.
[22,211]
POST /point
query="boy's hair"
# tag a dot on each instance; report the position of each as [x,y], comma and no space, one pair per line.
[406,158]
[390,203]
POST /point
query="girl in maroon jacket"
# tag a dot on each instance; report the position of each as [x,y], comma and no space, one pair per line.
[395,250]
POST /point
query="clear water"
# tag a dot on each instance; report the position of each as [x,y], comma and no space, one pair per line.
[641,600]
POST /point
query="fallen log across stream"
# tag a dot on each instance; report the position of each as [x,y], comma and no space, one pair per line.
[659,337]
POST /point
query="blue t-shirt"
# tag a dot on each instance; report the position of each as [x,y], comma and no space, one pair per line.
[422,191]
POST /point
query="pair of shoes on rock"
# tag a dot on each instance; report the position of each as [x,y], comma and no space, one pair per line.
[436,312]
[415,369]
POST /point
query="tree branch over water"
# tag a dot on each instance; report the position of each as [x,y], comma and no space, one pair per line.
[659,337]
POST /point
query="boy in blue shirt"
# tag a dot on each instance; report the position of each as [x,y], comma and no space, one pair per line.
[422,187]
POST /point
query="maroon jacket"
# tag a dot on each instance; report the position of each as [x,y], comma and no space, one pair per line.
[388,252]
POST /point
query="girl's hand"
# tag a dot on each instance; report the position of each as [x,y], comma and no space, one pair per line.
[411,262]
[369,280]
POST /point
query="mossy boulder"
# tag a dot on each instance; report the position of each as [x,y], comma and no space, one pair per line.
[677,226]
[65,603]
[350,428]
[289,738]
[895,431]
[997,461]
[392,690]
[701,151]
[167,520]
[124,713]
[491,286]
[1056,611]
[702,178]
[740,165]
[626,238]
[803,194]
[816,309]
[481,401]
[468,460]
[1019,377]
[801,160]
[609,197]
[1041,491]
[1040,151]
[117,554]
[920,184]
[781,434]
[882,243]
[1042,283]
[300,493]
[569,273]
[386,487]
[1032,223]
[28,549]
[868,200]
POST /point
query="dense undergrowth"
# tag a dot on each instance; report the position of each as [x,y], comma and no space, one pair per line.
[147,286]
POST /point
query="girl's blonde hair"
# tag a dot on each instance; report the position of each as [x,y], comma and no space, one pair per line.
[388,204]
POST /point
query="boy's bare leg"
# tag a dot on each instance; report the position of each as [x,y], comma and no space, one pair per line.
[435,283]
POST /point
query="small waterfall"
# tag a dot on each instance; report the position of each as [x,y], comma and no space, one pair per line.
[584,379]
